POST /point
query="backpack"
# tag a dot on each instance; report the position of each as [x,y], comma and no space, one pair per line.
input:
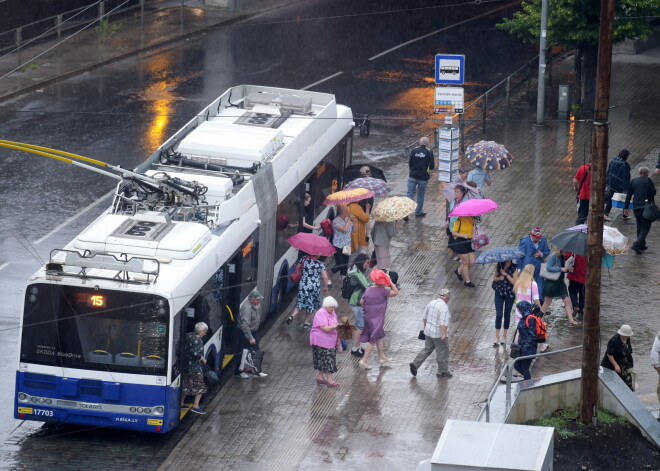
[347,287]
[541,328]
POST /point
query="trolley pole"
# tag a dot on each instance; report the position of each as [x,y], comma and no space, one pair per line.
[591,334]
[540,98]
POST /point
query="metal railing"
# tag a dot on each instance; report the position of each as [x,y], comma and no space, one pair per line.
[102,13]
[508,371]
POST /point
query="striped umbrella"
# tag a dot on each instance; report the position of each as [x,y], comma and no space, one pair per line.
[348,196]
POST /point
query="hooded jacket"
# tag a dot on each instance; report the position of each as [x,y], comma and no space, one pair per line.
[618,175]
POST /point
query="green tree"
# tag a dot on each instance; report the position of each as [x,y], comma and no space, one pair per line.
[574,24]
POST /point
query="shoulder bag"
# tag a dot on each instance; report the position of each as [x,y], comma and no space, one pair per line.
[651,212]
[549,275]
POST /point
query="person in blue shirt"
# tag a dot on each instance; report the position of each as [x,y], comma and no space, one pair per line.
[480,177]
[526,339]
[535,248]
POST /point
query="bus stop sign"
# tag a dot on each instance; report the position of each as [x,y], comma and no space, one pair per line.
[449,69]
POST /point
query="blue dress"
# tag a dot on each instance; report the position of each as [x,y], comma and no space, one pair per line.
[309,288]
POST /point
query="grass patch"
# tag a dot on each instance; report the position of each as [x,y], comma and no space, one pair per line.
[567,424]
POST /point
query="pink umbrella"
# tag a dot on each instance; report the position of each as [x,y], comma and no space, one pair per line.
[474,208]
[311,243]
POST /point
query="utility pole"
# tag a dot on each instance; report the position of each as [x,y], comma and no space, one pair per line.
[591,334]
[540,97]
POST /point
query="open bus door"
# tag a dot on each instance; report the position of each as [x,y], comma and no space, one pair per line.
[231,302]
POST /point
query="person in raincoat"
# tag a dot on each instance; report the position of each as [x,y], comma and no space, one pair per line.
[535,249]
[526,338]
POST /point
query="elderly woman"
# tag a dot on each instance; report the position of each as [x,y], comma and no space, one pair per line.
[381,235]
[309,297]
[342,226]
[374,303]
[526,336]
[249,320]
[324,341]
[618,356]
[193,370]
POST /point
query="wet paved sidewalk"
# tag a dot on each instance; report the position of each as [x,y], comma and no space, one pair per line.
[80,50]
[385,418]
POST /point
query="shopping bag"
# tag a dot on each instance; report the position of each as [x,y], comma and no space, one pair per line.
[479,238]
[251,361]
[210,376]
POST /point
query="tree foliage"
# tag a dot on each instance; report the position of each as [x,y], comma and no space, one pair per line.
[571,22]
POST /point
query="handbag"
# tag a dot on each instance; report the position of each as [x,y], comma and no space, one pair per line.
[570,262]
[210,377]
[514,350]
[422,335]
[549,275]
[346,250]
[651,212]
[479,238]
[634,379]
[296,276]
[251,361]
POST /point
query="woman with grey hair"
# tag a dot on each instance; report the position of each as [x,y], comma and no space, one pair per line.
[325,341]
[193,369]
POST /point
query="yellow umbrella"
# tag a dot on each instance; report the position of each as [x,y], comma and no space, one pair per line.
[393,209]
[348,196]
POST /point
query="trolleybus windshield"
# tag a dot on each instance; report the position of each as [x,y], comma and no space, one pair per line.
[87,328]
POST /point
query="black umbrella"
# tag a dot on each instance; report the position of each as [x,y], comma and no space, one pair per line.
[352,172]
[571,241]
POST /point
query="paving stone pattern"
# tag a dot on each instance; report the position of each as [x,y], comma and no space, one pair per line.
[384,417]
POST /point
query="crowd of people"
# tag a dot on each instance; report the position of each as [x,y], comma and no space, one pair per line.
[517,282]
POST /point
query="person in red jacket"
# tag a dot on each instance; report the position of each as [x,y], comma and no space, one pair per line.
[576,281]
[582,187]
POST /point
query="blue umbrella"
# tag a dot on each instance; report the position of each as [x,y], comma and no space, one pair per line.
[499,254]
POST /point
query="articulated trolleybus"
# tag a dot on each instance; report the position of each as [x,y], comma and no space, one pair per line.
[189,234]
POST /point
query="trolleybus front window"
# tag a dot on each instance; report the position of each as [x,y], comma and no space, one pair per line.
[104,330]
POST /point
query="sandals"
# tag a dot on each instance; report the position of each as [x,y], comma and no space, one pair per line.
[332,384]
[289,320]
[460,277]
[574,324]
[321,381]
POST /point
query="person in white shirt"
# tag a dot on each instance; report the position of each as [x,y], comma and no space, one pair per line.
[436,327]
[655,360]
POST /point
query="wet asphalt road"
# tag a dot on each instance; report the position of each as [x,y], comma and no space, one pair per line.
[122,112]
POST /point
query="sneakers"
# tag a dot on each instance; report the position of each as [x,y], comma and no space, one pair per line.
[469,284]
[413,369]
[261,374]
[307,325]
[420,215]
[445,374]
[198,410]
[358,353]
[244,375]
[607,218]
[289,320]
[406,219]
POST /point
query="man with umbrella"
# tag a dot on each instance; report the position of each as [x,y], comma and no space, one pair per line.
[535,248]
[420,163]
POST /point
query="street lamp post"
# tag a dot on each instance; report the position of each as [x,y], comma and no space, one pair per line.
[540,99]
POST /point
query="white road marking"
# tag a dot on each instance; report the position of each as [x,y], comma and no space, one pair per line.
[322,80]
[74,217]
[442,29]
[4,265]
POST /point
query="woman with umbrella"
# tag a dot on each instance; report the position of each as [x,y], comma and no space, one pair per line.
[313,270]
[462,233]
[359,212]
[556,289]
[381,235]
[374,303]
[342,226]
[506,274]
[459,195]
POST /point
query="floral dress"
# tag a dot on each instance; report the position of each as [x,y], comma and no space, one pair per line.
[309,288]
[193,377]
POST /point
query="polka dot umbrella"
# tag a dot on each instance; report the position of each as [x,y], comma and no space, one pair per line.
[489,155]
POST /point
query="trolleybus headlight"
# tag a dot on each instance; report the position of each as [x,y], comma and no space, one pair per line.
[49,401]
[22,397]
[147,410]
[33,400]
[132,410]
[160,410]
[41,400]
[139,410]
